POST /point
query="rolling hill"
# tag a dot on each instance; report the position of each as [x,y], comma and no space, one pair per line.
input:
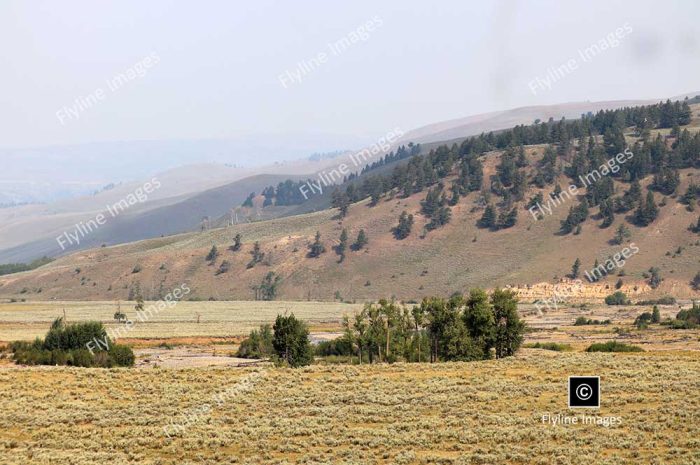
[186,195]
[28,232]
[531,256]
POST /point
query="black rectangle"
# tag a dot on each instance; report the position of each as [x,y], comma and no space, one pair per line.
[584,391]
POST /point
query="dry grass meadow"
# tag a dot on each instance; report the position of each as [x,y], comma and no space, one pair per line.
[452,413]
[486,412]
[220,321]
[27,320]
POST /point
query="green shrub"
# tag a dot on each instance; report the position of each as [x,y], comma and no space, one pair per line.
[82,358]
[643,320]
[613,346]
[617,298]
[550,346]
[583,321]
[258,344]
[339,346]
[121,355]
[665,300]
[74,336]
[687,319]
[67,345]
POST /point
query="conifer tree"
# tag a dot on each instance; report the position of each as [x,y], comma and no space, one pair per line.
[575,269]
[213,254]
[488,219]
[317,247]
[248,202]
[361,240]
[647,211]
[343,245]
[236,243]
[403,229]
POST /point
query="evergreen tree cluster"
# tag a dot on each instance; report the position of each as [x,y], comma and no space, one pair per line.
[403,229]
[316,248]
[647,211]
[576,216]
[267,290]
[651,156]
[574,147]
[493,220]
[286,193]
[248,202]
[402,153]
[435,207]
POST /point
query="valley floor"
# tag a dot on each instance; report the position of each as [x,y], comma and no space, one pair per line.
[451,413]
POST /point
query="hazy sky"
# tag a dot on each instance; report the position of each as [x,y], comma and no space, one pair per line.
[219,62]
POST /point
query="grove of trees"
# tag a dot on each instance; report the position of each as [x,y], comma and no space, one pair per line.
[478,326]
[462,328]
[77,344]
[285,343]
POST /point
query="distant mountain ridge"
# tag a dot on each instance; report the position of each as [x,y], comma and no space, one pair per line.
[451,242]
[28,232]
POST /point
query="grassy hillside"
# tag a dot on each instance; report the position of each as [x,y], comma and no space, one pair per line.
[162,217]
[452,258]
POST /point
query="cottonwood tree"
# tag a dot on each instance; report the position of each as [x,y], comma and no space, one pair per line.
[258,344]
[451,329]
[509,328]
[291,341]
[267,290]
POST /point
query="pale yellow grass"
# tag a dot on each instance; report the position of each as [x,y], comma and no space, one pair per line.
[25,321]
[453,413]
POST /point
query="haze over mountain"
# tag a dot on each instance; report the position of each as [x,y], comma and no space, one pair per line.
[448,189]
[49,174]
[29,232]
